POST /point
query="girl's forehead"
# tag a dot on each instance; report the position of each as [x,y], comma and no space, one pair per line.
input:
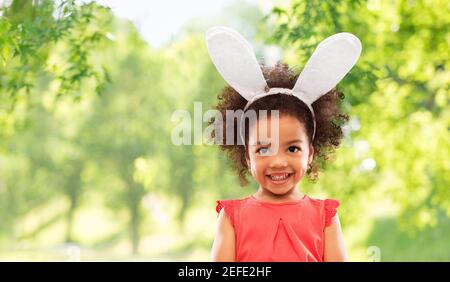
[284,127]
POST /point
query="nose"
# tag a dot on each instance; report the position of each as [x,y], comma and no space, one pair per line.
[278,161]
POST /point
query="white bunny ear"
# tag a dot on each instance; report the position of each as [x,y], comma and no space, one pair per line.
[235,60]
[330,62]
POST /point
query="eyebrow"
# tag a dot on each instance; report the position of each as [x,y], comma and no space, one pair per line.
[259,143]
[294,141]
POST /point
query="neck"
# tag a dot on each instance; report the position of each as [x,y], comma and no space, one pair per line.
[292,195]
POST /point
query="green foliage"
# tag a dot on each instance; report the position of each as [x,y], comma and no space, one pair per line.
[28,32]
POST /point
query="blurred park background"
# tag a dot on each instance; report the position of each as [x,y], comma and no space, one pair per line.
[87,89]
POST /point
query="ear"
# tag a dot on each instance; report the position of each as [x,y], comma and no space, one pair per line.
[330,62]
[311,153]
[235,60]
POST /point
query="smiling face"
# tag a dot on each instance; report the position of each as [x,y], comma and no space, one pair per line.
[278,163]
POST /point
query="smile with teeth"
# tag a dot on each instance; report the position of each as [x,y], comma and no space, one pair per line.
[279,176]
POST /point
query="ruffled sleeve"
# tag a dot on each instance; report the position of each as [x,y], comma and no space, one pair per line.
[228,206]
[330,210]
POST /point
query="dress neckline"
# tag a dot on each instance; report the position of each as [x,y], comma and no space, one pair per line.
[294,202]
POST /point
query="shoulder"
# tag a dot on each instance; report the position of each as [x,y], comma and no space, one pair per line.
[230,207]
[229,203]
[224,221]
[326,207]
[324,203]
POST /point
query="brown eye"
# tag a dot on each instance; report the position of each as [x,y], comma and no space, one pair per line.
[294,149]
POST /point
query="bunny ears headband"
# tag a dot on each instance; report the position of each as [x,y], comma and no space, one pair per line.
[235,60]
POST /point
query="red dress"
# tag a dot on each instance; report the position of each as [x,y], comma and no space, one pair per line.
[290,231]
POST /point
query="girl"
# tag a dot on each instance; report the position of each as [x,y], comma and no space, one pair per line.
[278,222]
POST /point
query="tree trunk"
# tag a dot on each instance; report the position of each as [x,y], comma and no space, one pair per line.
[134,226]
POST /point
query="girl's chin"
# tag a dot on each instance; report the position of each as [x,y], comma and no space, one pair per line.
[279,189]
[278,192]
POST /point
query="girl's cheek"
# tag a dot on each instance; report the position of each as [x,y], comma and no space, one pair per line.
[302,165]
[253,168]
[304,168]
[257,169]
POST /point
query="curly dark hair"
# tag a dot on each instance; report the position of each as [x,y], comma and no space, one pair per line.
[327,110]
